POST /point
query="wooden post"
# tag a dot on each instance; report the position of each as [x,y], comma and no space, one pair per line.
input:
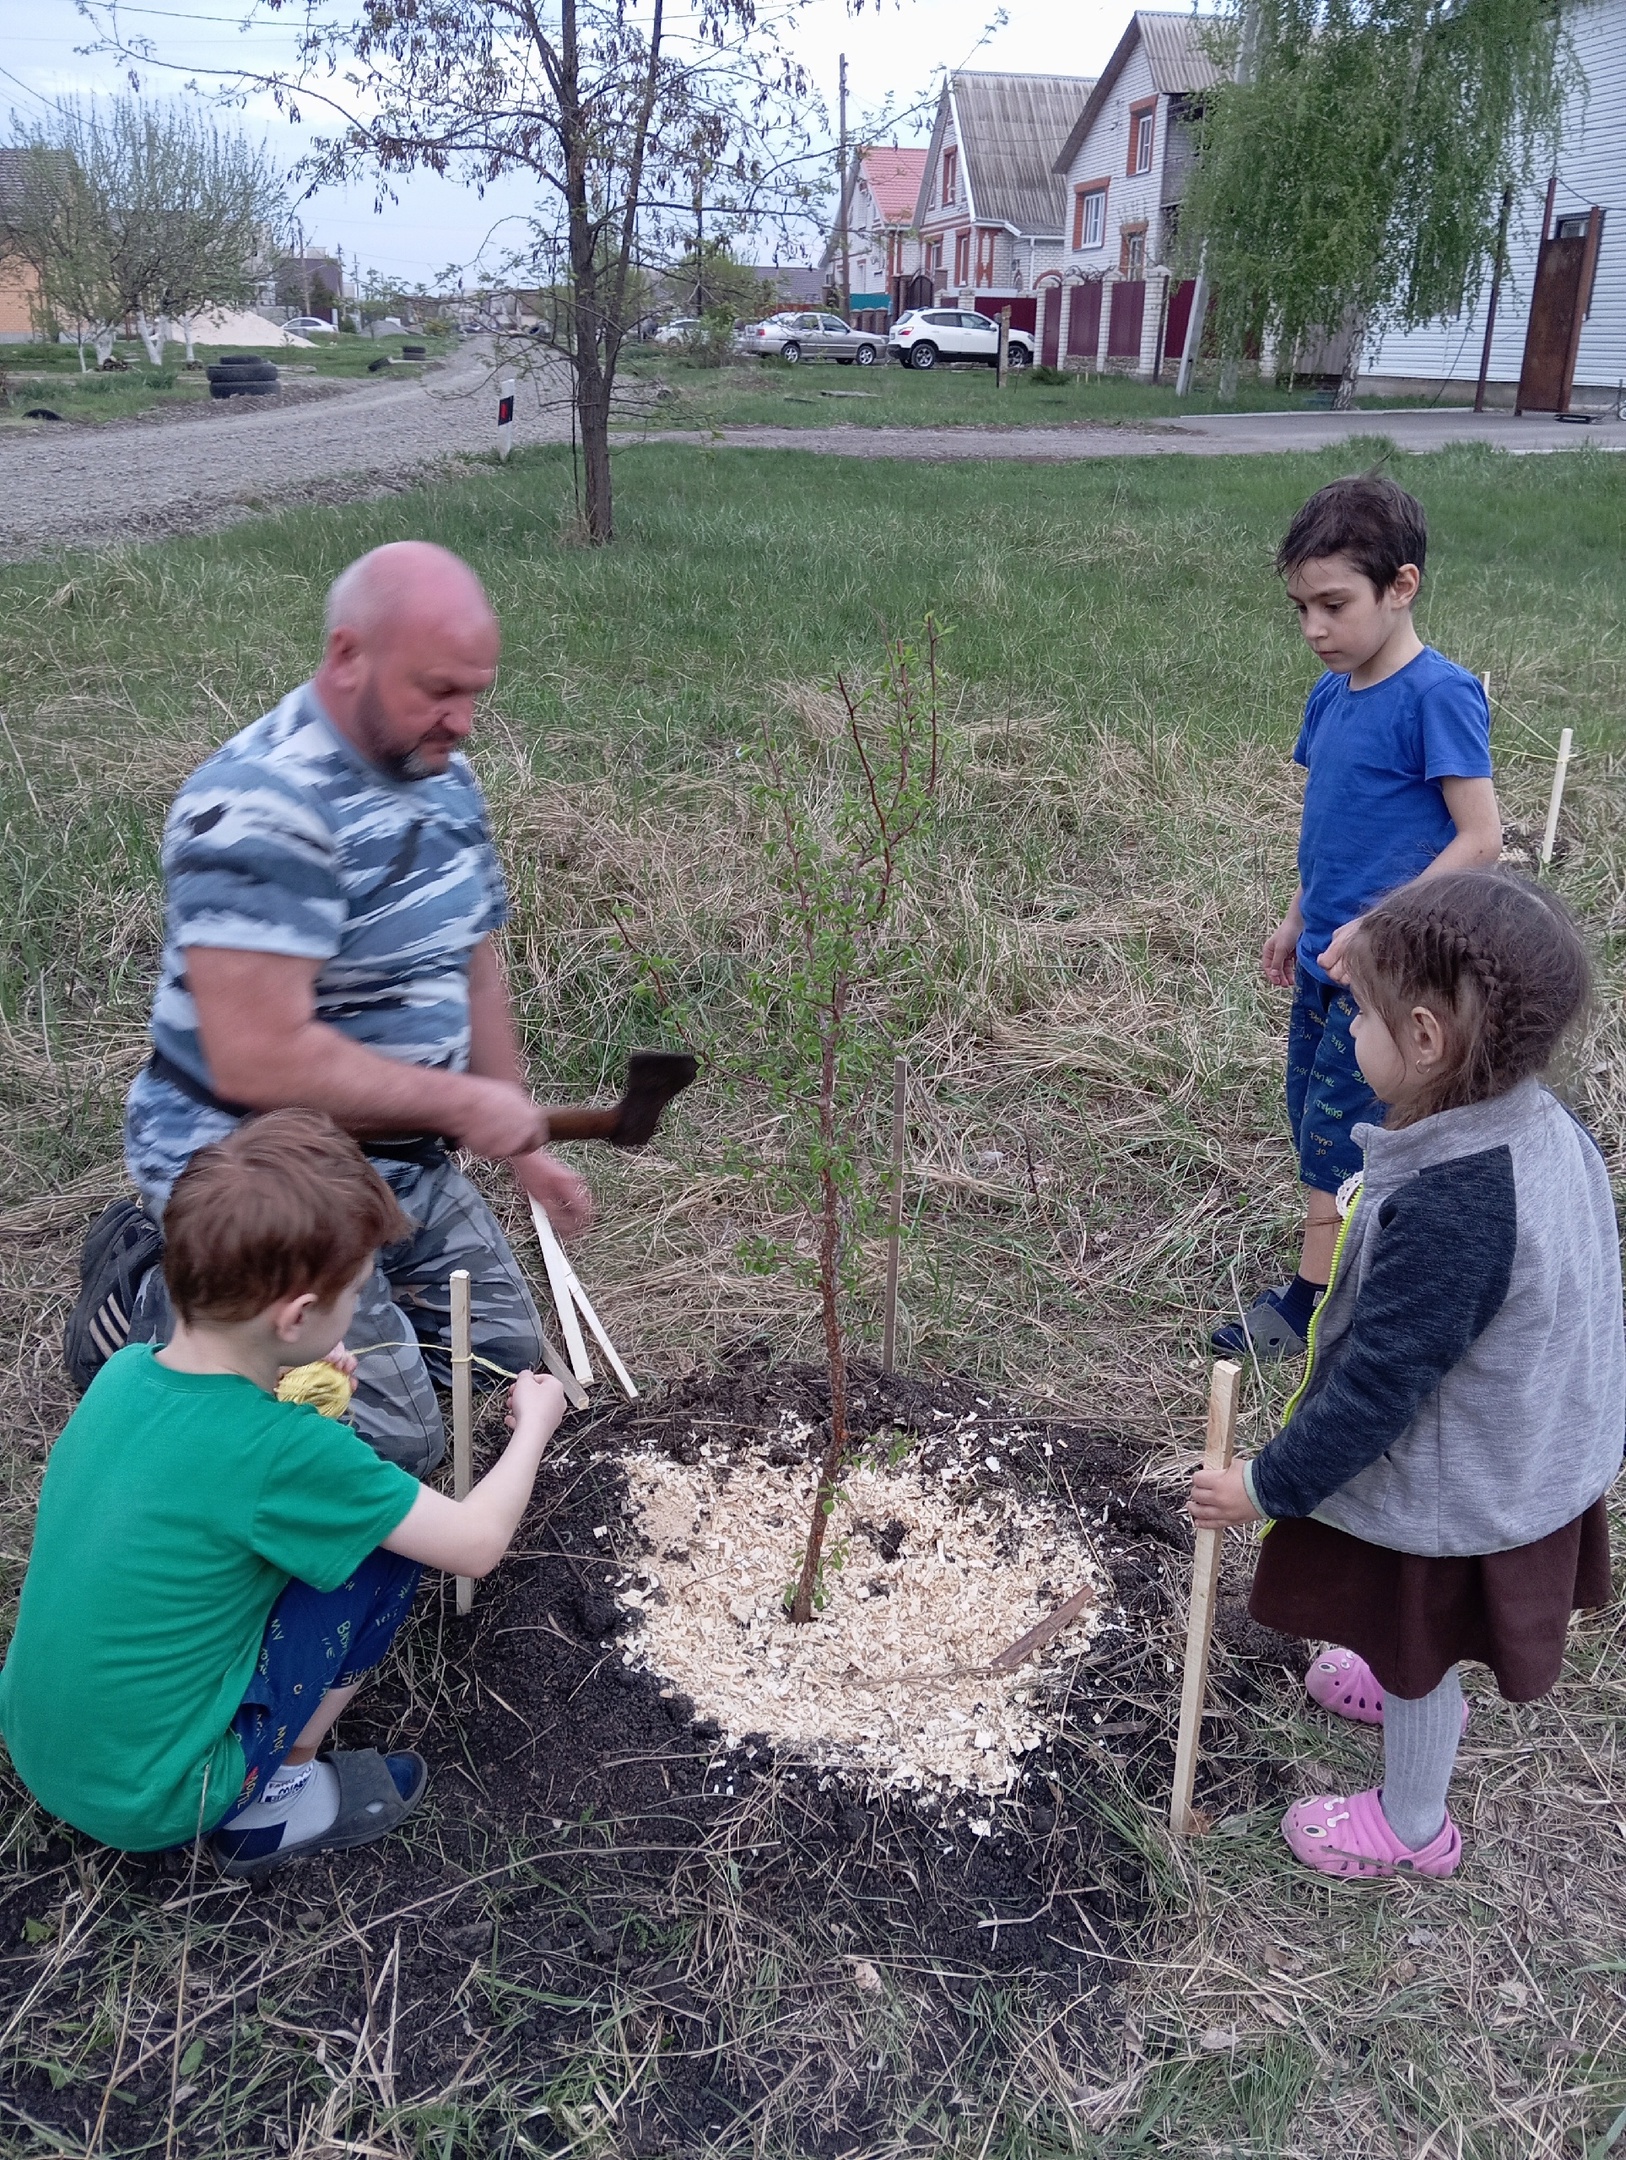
[1002,365]
[1556,798]
[1205,1567]
[462,1413]
[894,1224]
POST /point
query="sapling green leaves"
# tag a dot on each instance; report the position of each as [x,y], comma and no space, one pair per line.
[841,822]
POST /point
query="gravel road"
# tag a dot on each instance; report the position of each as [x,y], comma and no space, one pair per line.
[141,479]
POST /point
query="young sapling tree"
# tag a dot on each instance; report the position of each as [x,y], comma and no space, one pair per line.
[841,826]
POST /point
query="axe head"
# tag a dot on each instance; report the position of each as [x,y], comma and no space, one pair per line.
[653,1078]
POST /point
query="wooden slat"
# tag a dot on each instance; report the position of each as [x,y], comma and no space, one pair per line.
[1205,1568]
[462,1412]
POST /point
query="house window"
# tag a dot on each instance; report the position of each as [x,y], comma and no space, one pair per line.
[962,257]
[1142,124]
[951,176]
[1089,215]
[985,257]
[935,265]
[1132,258]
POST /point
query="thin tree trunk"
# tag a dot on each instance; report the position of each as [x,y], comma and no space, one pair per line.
[152,336]
[824,1498]
[1350,374]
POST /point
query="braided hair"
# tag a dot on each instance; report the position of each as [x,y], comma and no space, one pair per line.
[1498,959]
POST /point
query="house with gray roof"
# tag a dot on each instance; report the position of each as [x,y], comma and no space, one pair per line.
[992,208]
[1110,302]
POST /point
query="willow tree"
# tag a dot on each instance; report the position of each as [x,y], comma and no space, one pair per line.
[1352,182]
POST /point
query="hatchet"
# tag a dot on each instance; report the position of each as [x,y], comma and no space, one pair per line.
[653,1078]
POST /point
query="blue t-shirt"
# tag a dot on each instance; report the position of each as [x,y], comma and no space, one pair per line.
[1374,810]
[288,841]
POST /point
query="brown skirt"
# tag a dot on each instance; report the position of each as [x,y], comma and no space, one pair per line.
[1413,1618]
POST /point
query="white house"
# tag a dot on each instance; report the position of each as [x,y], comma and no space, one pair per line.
[991,212]
[1109,302]
[1569,326]
[876,220]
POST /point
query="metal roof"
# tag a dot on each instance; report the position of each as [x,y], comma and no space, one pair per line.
[1176,52]
[1009,128]
[893,177]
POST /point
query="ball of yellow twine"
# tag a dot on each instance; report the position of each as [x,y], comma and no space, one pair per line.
[321,1385]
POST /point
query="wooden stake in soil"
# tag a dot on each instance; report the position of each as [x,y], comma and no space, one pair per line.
[462,1413]
[1205,1565]
[894,1223]
[1556,798]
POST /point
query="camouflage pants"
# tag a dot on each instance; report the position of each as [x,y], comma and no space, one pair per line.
[402,1328]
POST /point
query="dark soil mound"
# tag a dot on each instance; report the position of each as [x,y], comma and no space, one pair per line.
[590,1864]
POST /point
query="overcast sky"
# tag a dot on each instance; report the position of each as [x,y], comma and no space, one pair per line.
[891,50]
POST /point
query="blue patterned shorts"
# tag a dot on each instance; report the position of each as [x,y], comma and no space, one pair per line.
[1327,1097]
[313,1641]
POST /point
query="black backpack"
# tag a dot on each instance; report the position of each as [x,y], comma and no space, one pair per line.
[122,1247]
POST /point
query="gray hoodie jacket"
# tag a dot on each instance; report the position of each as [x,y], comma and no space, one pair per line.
[1466,1387]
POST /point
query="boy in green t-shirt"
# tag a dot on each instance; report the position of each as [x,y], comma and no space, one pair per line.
[214,1572]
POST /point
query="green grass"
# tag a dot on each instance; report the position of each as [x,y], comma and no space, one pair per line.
[50,374]
[665,390]
[1095,1140]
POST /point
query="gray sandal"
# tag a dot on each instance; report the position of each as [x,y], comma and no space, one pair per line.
[1271,1336]
[376,1795]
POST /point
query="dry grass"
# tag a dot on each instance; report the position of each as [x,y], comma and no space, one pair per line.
[1094,1148]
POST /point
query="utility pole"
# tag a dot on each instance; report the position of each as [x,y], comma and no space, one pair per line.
[699,244]
[846,249]
[1495,295]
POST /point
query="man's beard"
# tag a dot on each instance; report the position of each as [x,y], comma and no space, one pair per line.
[410,764]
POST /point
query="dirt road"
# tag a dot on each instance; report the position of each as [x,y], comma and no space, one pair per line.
[89,486]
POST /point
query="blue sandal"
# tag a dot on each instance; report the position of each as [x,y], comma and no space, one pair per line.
[1264,1327]
[376,1795]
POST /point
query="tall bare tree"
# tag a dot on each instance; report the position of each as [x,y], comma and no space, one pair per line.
[616,108]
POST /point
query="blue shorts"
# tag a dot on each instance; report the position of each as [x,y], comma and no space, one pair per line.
[313,1641]
[1327,1097]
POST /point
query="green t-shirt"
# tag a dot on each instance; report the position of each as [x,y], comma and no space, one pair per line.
[174,1510]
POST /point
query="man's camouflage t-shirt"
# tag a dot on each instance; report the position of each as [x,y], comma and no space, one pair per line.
[288,841]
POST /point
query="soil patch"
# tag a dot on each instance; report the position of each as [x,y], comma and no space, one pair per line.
[762,1934]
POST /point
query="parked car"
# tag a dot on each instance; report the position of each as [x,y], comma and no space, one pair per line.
[923,336]
[310,326]
[679,332]
[798,336]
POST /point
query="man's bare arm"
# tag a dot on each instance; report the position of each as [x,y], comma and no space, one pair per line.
[494,1053]
[266,1048]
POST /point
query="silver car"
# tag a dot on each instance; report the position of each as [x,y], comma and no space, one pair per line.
[812,336]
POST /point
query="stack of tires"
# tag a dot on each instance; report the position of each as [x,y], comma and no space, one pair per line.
[242,375]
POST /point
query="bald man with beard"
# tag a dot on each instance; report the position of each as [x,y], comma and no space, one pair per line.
[332,896]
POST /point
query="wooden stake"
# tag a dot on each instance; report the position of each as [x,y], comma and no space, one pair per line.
[894,1225]
[1205,1566]
[1556,797]
[572,1300]
[559,1273]
[462,1413]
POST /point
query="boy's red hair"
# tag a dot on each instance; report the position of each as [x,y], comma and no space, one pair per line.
[285,1204]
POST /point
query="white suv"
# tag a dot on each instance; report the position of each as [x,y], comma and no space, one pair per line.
[924,336]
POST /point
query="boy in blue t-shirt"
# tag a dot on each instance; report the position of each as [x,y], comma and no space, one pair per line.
[1396,749]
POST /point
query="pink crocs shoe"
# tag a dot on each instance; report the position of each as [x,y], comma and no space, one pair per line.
[1339,1836]
[1344,1683]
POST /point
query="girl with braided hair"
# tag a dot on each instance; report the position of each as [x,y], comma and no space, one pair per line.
[1436,1492]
